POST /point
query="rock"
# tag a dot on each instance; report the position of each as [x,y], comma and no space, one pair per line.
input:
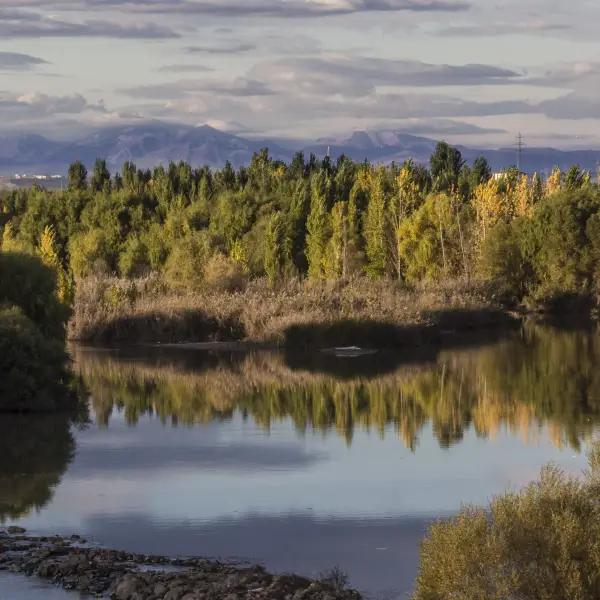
[14,530]
[126,576]
[127,587]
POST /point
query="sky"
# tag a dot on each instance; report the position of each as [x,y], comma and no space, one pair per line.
[475,72]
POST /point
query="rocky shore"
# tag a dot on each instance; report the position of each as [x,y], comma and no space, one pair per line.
[74,564]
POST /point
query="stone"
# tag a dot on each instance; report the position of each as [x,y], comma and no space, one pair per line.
[127,587]
[14,530]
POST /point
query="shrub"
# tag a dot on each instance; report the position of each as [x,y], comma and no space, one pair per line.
[501,260]
[224,274]
[557,244]
[90,253]
[540,544]
[27,283]
[133,260]
[184,267]
[32,366]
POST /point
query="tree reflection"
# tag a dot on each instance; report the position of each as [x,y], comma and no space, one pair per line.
[35,451]
[541,377]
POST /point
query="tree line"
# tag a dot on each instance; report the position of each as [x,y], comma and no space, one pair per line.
[320,219]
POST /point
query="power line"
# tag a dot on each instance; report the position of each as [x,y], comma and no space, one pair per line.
[520,146]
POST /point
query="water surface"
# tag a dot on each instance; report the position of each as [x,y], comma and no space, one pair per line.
[300,462]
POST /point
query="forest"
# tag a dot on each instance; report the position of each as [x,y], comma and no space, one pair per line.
[530,239]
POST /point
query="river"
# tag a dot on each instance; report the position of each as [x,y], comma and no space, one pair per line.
[302,462]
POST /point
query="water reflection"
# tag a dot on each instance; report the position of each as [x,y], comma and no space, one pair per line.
[300,462]
[36,450]
[540,377]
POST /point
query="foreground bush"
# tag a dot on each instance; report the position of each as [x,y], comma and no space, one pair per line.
[27,283]
[540,544]
[33,376]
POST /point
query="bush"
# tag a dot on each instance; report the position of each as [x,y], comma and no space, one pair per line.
[224,274]
[27,283]
[501,261]
[133,260]
[557,244]
[90,253]
[32,366]
[184,267]
[540,544]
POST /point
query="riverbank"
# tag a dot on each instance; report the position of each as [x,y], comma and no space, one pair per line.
[74,565]
[299,314]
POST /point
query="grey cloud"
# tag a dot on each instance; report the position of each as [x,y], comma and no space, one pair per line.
[19,23]
[573,106]
[42,105]
[496,29]
[441,127]
[359,76]
[228,48]
[218,87]
[185,69]
[278,8]
[14,61]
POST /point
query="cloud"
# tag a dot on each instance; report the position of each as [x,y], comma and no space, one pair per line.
[271,8]
[33,106]
[240,87]
[443,127]
[181,68]
[361,76]
[14,61]
[223,48]
[527,28]
[19,23]
[573,106]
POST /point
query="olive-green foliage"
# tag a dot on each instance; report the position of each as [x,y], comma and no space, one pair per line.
[33,359]
[276,248]
[27,283]
[32,365]
[554,253]
[317,230]
[134,260]
[540,544]
[184,268]
[501,260]
[375,225]
[336,219]
[557,244]
[222,273]
[90,253]
[430,245]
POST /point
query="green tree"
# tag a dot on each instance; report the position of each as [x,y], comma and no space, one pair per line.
[100,180]
[276,249]
[317,227]
[375,226]
[77,176]
[445,164]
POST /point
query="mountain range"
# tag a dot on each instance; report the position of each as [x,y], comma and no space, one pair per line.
[153,143]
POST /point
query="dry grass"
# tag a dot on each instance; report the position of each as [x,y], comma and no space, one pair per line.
[145,310]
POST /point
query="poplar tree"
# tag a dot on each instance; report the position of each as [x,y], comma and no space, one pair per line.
[276,250]
[375,227]
[317,227]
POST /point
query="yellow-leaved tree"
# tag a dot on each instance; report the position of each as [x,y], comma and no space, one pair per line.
[48,252]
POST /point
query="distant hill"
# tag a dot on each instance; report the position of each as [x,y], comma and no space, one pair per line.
[154,143]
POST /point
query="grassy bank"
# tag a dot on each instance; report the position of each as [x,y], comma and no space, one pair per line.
[299,313]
